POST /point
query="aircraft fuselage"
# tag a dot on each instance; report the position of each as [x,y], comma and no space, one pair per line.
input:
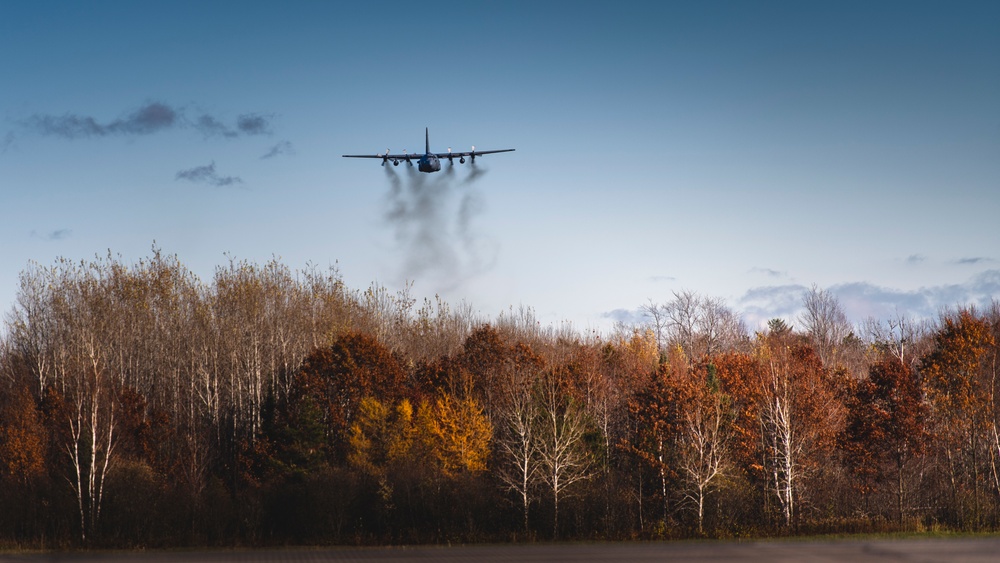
[429,163]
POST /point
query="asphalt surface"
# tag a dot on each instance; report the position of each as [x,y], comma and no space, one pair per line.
[915,550]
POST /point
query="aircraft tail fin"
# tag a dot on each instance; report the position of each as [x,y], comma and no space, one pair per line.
[427,141]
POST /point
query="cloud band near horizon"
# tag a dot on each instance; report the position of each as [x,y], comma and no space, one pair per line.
[859,300]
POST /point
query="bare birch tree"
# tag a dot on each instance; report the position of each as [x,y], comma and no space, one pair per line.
[562,453]
[799,417]
[518,431]
[704,433]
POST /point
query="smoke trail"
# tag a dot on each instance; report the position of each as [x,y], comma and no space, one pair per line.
[475,172]
[432,218]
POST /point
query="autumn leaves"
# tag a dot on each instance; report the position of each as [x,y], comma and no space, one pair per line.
[141,406]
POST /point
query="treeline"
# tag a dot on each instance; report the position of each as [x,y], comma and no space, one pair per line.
[142,407]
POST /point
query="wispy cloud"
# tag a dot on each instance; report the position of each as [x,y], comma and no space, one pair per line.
[254,124]
[914,259]
[8,140]
[207,175]
[769,272]
[212,127]
[760,304]
[153,117]
[58,234]
[248,124]
[284,147]
[662,279]
[627,317]
[973,260]
[861,300]
[148,119]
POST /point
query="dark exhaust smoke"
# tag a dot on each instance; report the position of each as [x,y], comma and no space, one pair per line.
[432,217]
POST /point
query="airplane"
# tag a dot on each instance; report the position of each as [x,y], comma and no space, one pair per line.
[429,162]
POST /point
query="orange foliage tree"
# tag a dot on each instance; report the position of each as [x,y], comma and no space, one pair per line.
[960,389]
[656,411]
[787,415]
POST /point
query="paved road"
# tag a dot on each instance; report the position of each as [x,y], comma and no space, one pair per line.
[909,550]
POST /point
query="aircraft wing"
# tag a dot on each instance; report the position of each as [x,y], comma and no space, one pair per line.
[416,156]
[386,156]
[468,153]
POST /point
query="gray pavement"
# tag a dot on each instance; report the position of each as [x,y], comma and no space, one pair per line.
[905,550]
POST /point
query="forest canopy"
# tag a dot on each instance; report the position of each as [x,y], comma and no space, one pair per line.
[141,406]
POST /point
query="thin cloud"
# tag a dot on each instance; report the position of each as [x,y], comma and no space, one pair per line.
[662,279]
[253,124]
[148,119]
[58,234]
[985,285]
[627,317]
[973,260]
[207,175]
[761,304]
[861,300]
[769,272]
[212,127]
[284,147]
[154,117]
[916,259]
[68,126]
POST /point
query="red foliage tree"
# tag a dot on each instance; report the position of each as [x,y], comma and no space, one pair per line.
[339,377]
[885,425]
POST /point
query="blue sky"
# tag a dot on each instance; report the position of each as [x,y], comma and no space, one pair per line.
[742,150]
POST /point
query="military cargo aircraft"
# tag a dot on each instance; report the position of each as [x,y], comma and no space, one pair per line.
[429,161]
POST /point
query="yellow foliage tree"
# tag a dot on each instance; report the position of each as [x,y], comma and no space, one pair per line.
[960,383]
[459,434]
[367,438]
[380,437]
[381,444]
